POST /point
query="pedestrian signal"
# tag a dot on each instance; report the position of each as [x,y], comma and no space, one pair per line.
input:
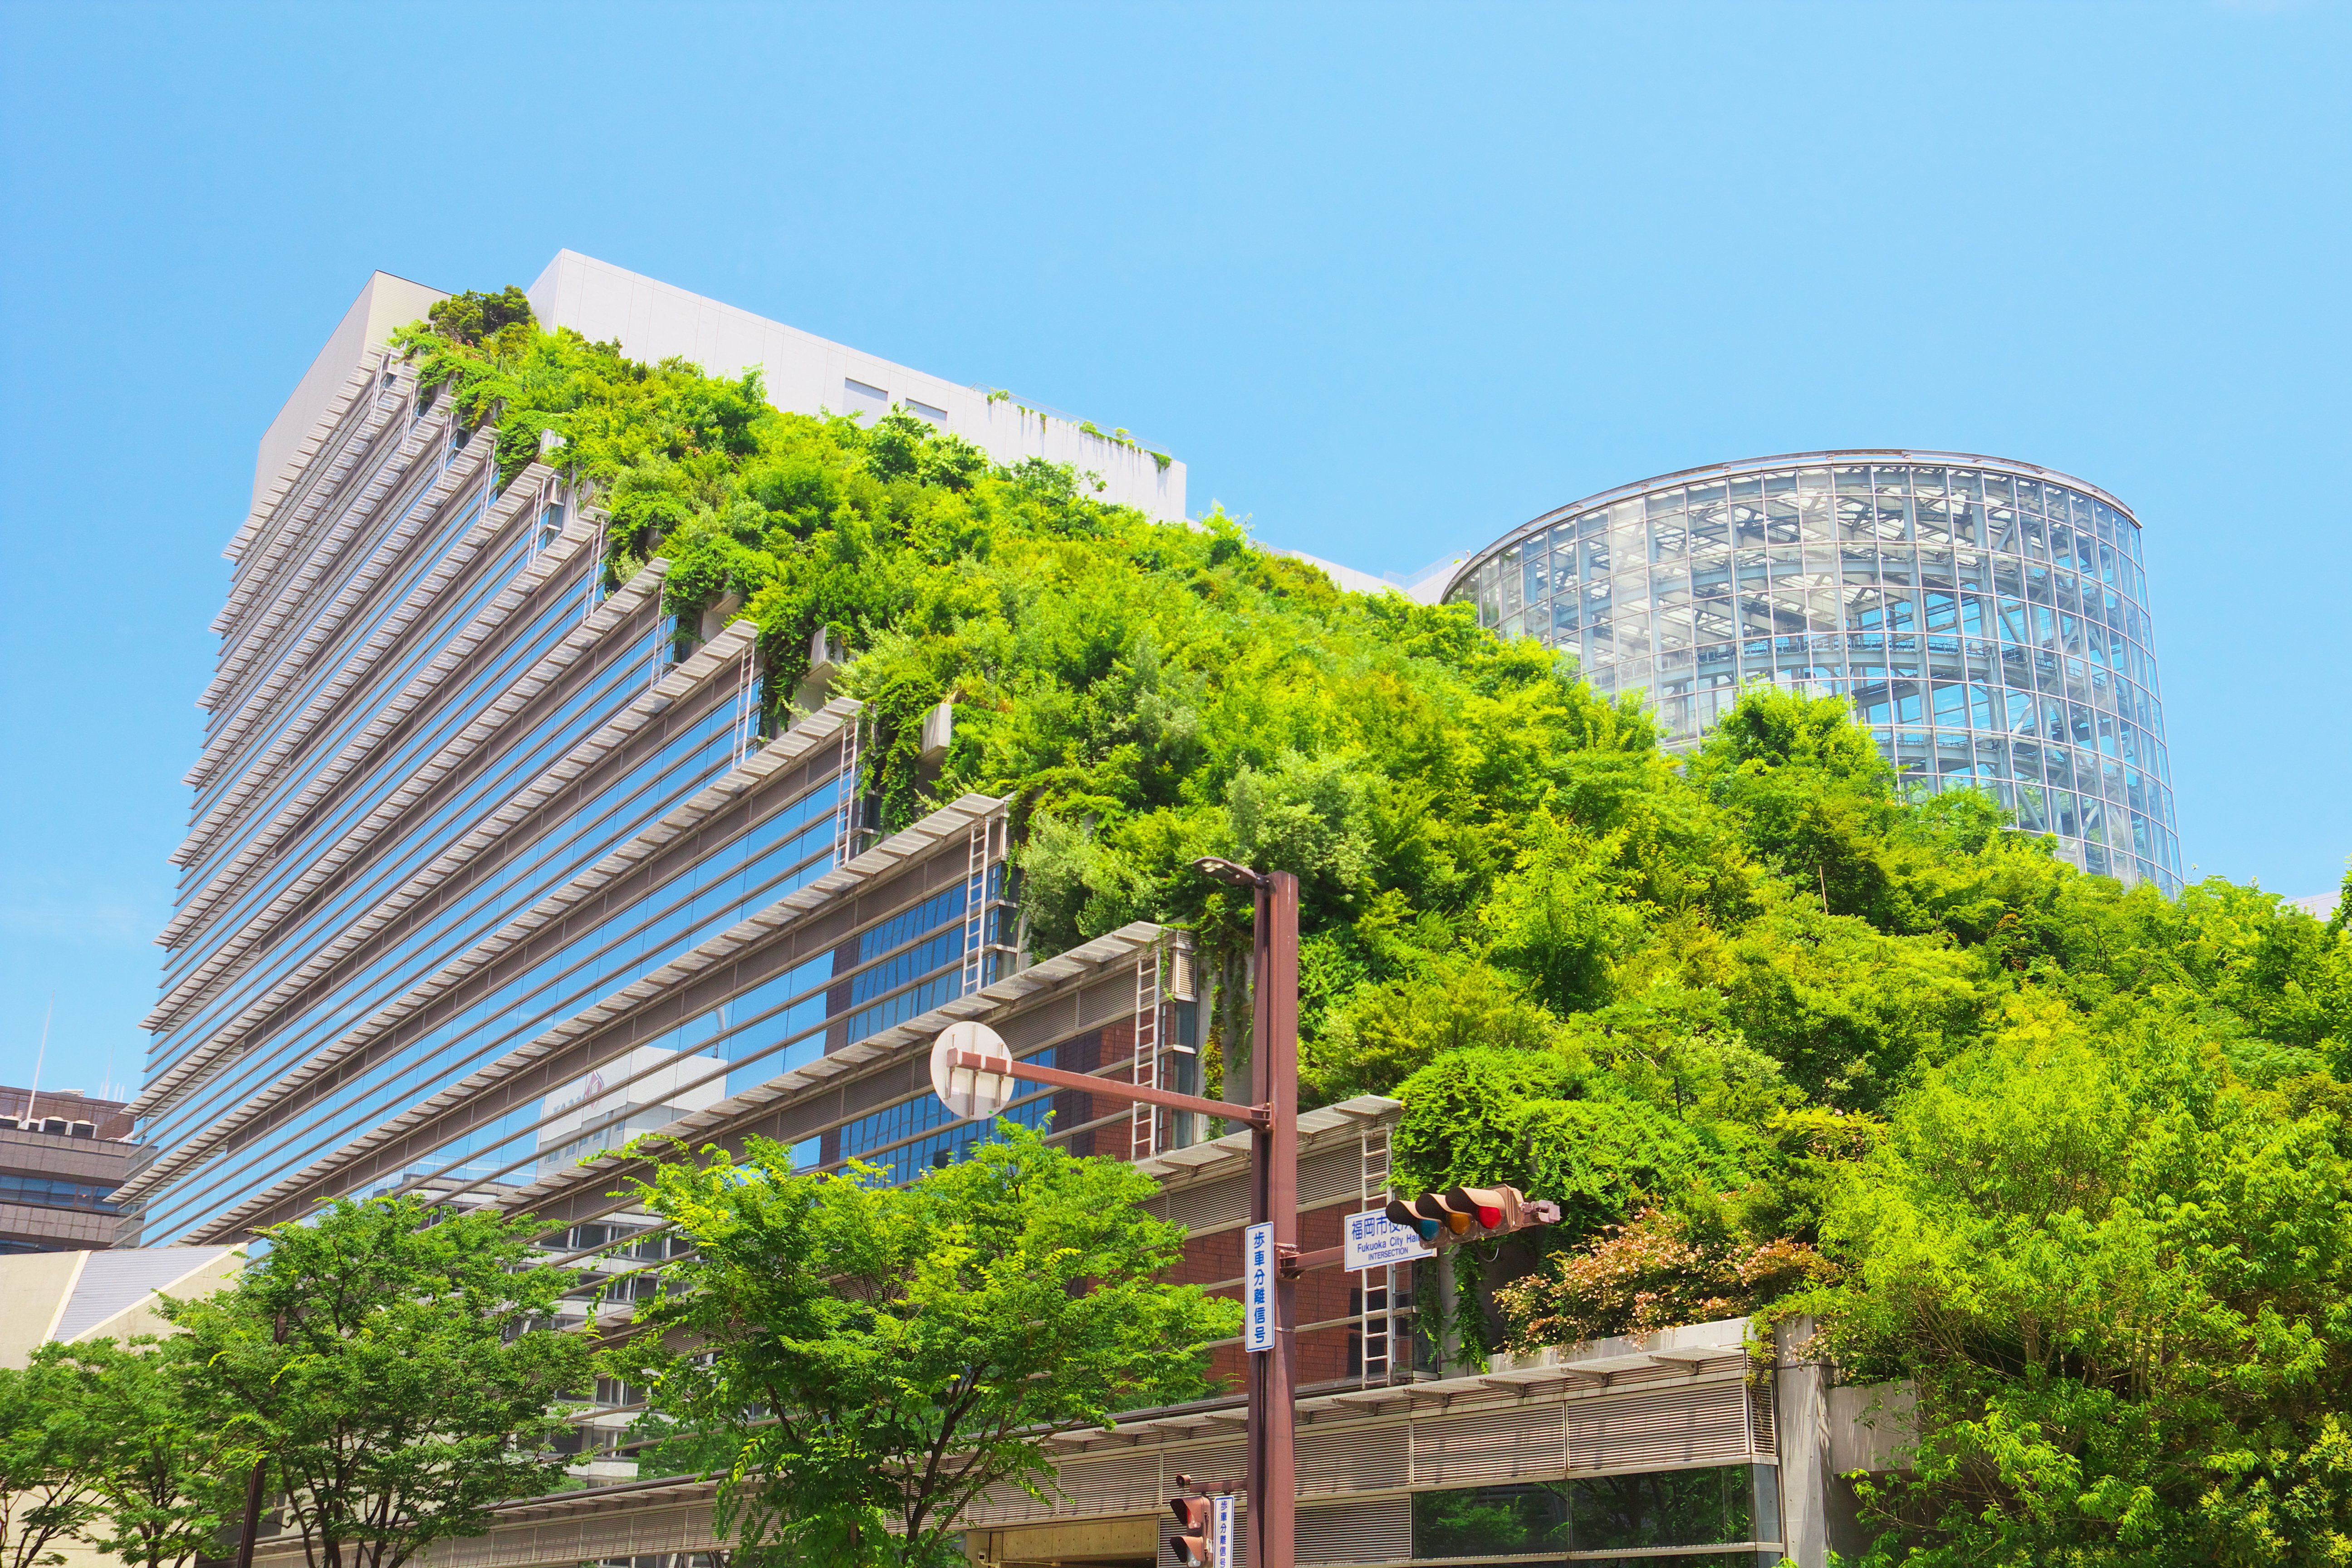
[1193,1544]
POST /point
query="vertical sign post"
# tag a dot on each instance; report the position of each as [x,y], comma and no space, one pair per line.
[974,1072]
[1257,1289]
[1273,1201]
[1220,1530]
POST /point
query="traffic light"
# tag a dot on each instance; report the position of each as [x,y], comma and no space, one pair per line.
[1493,1211]
[1192,1545]
[1470,1212]
[1405,1216]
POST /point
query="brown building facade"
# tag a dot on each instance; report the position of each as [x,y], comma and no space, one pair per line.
[62,1156]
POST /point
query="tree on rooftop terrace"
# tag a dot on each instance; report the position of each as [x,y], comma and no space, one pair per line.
[1729,975]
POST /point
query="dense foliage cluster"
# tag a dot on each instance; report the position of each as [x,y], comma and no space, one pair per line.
[857,1362]
[380,1377]
[2074,1158]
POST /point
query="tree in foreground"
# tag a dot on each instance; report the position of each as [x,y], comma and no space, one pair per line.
[390,1364]
[52,1454]
[876,1357]
[167,1464]
[2118,1273]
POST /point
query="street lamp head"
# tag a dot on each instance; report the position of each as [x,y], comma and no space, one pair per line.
[1230,873]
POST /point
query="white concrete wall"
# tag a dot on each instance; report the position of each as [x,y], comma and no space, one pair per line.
[807,374]
[384,303]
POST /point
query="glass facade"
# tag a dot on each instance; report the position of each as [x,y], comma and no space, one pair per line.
[465,809]
[1988,620]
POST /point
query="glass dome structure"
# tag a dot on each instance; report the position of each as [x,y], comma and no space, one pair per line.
[1986,618]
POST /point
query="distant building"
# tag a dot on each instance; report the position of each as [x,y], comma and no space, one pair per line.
[62,1155]
[77,1296]
[1986,618]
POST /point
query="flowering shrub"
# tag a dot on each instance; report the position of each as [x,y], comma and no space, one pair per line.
[1651,1273]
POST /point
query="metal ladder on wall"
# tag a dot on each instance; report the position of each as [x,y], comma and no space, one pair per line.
[1143,1121]
[845,829]
[978,854]
[745,714]
[1375,1287]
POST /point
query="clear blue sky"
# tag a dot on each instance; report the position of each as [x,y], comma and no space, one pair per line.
[1390,280]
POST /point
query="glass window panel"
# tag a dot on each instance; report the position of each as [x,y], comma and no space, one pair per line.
[1491,1521]
[1967,482]
[1927,480]
[1985,708]
[1851,479]
[1891,479]
[1859,563]
[1857,518]
[2028,493]
[1710,530]
[1951,705]
[1898,564]
[1901,612]
[2065,813]
[1779,518]
[1816,518]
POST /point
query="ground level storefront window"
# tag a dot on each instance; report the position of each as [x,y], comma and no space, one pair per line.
[1692,1509]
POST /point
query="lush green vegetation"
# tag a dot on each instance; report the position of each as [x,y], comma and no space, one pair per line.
[858,1361]
[380,1377]
[2073,1157]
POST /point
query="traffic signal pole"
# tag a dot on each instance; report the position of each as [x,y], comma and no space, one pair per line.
[1274,1199]
[971,1069]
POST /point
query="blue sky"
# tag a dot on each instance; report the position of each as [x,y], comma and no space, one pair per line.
[1391,280]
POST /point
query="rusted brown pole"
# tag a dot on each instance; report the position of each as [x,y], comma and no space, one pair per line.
[1274,1199]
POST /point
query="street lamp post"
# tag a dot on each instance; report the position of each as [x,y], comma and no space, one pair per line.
[972,1071]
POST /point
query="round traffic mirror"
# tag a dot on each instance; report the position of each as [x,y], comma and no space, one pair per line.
[971,1070]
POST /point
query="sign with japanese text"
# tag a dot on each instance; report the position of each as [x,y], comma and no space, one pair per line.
[1374,1241]
[1257,1288]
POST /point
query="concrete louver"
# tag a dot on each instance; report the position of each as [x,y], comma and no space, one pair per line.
[613,613]
[922,839]
[991,1003]
[291,476]
[521,499]
[722,651]
[299,533]
[820,729]
[239,661]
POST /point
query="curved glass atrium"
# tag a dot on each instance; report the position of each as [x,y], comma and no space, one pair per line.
[1986,618]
